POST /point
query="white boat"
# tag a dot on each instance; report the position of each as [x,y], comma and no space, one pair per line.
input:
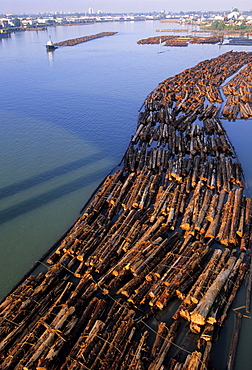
[50,45]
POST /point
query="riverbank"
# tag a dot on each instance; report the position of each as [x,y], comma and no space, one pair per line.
[151,243]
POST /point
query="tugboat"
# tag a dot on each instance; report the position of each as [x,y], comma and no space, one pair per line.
[50,45]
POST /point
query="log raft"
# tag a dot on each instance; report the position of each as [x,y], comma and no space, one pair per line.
[82,39]
[180,40]
[170,228]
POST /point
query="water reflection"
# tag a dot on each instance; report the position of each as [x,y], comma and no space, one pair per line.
[50,57]
[4,40]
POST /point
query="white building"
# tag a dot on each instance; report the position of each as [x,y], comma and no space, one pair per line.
[91,11]
[233,15]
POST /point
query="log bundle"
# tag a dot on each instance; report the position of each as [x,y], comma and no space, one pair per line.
[170,228]
[155,39]
[82,39]
[239,95]
[173,40]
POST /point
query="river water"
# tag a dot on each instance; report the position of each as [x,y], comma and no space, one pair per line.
[66,120]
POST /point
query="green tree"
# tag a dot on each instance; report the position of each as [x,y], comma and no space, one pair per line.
[218,25]
[16,22]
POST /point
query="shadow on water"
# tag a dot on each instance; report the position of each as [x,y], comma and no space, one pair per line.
[48,175]
[50,196]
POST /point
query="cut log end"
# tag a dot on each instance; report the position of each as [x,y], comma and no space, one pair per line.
[197,319]
[211,320]
[159,305]
[185,314]
[186,226]
[195,328]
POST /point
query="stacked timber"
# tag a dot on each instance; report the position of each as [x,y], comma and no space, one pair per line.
[155,39]
[153,238]
[176,40]
[206,40]
[172,30]
[82,39]
[239,95]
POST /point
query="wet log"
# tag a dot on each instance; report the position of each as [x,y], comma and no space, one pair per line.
[212,229]
[166,261]
[248,290]
[245,241]
[167,269]
[199,288]
[203,210]
[179,207]
[152,229]
[21,331]
[90,340]
[117,316]
[151,259]
[159,339]
[118,360]
[185,271]
[232,294]
[45,341]
[129,356]
[235,216]
[186,220]
[226,220]
[174,204]
[140,295]
[136,363]
[240,230]
[161,200]
[171,335]
[234,343]
[51,359]
[200,313]
[102,195]
[193,361]
[198,206]
[118,340]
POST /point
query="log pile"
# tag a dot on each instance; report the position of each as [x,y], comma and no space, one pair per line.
[206,40]
[180,40]
[80,40]
[155,40]
[172,30]
[153,237]
[239,95]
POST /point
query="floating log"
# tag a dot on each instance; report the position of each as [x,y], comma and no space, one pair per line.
[233,347]
[156,364]
[199,315]
[248,290]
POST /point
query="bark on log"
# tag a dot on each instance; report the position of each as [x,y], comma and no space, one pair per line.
[234,343]
[172,333]
[200,313]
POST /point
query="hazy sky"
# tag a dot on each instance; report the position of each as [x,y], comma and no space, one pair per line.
[27,6]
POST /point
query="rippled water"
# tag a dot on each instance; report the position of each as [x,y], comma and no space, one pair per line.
[66,120]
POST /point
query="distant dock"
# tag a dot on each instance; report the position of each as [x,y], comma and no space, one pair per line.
[172,30]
